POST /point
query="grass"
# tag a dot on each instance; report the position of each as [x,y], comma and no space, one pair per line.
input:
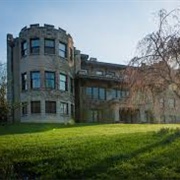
[111,151]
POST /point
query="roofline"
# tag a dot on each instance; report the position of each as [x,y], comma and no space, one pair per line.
[105,64]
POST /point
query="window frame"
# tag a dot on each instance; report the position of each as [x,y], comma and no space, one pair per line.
[94,93]
[72,111]
[99,72]
[72,85]
[65,82]
[49,79]
[34,47]
[61,50]
[47,48]
[35,107]
[24,81]
[24,109]
[35,80]
[50,107]
[24,48]
[64,108]
[172,103]
[162,103]
[71,54]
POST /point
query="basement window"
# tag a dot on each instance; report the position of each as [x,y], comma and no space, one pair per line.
[64,108]
[35,107]
[50,107]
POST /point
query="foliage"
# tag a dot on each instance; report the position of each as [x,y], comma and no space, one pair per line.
[113,151]
[3,93]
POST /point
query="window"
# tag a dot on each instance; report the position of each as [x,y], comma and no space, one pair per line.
[172,103]
[35,46]
[62,50]
[35,107]
[161,103]
[71,54]
[63,82]
[72,85]
[110,74]
[64,108]
[100,73]
[35,80]
[89,92]
[96,93]
[24,108]
[102,95]
[116,93]
[24,48]
[49,46]
[72,110]
[50,80]
[94,115]
[50,107]
[24,81]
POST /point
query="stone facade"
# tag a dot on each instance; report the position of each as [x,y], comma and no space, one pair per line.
[41,73]
[49,80]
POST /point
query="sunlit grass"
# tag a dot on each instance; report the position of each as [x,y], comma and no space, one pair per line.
[111,151]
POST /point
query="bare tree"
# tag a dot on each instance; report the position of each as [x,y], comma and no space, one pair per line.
[158,62]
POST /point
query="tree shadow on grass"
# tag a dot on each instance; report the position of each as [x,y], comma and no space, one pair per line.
[102,167]
[22,128]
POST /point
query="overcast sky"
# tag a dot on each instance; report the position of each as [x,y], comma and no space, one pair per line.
[106,29]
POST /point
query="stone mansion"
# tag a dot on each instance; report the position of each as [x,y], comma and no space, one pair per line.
[54,83]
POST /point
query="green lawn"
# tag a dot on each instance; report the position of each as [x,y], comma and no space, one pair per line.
[111,151]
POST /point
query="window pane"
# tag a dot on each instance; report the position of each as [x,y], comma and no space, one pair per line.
[49,43]
[113,93]
[24,45]
[119,94]
[72,85]
[24,81]
[35,43]
[64,108]
[50,80]
[95,93]
[99,72]
[35,80]
[63,82]
[102,93]
[24,48]
[24,108]
[35,107]
[63,77]
[35,75]
[50,106]
[61,53]
[62,46]
[62,49]
[89,91]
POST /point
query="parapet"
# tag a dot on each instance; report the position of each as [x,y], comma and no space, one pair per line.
[45,26]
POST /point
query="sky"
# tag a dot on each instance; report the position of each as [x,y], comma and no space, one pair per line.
[108,30]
